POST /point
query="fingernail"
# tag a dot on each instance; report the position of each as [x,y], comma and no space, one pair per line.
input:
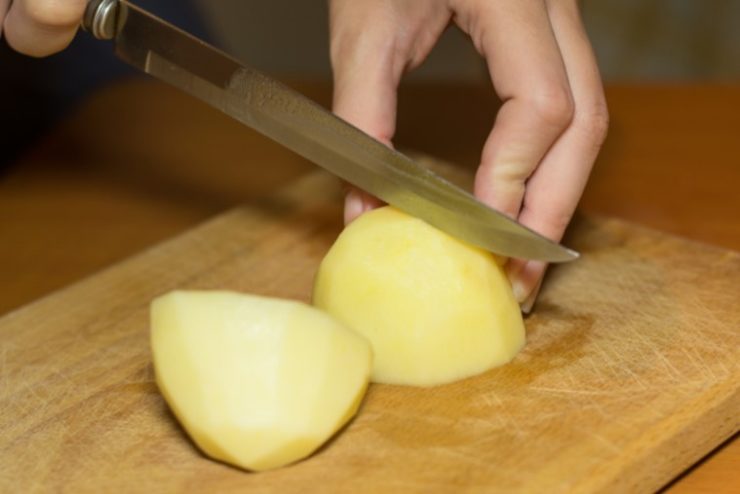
[519,290]
[528,304]
[353,206]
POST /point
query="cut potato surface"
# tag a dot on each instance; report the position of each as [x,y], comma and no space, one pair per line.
[434,309]
[256,382]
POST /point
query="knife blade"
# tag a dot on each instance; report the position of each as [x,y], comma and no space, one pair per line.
[284,115]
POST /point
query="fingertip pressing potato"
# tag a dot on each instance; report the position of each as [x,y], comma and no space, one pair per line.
[434,309]
[256,382]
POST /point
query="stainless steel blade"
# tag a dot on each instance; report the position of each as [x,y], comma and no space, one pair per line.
[308,129]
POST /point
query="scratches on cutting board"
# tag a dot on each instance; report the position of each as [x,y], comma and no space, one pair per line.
[629,347]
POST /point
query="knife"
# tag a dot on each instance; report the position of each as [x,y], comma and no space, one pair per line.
[173,56]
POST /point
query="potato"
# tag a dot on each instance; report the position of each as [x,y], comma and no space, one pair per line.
[434,309]
[256,382]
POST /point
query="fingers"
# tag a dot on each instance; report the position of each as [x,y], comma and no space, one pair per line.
[529,76]
[538,156]
[357,202]
[555,188]
[42,27]
[372,43]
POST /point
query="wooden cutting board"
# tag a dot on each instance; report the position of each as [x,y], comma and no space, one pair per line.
[630,374]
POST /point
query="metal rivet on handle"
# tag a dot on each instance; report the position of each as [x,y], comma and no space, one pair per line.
[100,18]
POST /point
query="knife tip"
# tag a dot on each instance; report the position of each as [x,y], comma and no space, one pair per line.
[564,254]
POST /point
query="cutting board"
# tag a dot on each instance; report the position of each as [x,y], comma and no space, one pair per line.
[630,373]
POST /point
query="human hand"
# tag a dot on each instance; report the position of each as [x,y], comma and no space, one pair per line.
[40,27]
[548,130]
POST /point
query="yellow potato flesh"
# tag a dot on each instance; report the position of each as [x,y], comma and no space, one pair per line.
[256,382]
[434,309]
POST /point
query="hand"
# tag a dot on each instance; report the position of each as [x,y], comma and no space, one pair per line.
[40,27]
[553,118]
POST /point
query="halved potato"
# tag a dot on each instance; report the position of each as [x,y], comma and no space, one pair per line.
[434,309]
[256,382]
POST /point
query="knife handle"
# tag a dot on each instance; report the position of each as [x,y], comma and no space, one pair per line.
[101,18]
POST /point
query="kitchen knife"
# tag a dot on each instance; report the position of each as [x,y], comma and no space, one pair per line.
[171,55]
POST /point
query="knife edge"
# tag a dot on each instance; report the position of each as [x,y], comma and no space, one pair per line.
[284,115]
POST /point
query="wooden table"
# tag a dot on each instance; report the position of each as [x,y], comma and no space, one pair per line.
[139,162]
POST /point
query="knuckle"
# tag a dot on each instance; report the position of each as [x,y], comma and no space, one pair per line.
[55,13]
[511,172]
[594,122]
[553,106]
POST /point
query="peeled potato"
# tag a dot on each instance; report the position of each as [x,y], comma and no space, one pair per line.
[434,309]
[256,382]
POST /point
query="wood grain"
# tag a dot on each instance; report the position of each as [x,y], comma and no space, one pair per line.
[139,162]
[630,373]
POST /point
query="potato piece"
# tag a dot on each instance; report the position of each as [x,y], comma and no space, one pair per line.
[434,308]
[256,382]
